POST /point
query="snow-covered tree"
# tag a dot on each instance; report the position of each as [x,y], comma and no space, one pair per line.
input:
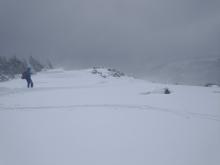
[35,64]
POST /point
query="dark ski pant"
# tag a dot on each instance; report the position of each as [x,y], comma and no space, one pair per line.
[30,83]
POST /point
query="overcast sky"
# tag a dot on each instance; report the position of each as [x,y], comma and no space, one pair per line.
[120,33]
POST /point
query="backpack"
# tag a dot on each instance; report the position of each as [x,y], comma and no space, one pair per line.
[24,75]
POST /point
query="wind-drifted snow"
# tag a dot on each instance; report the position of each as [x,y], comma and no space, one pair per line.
[77,117]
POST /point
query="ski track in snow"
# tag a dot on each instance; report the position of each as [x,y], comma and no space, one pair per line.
[4,91]
[186,114]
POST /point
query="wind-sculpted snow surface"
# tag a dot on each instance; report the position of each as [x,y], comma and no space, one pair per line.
[77,117]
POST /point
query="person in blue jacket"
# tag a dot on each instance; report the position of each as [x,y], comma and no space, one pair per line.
[27,75]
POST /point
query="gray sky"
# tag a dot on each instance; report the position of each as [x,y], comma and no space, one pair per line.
[126,34]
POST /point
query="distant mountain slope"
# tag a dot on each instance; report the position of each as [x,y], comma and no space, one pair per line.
[192,72]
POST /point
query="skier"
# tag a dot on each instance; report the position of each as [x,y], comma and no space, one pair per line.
[27,75]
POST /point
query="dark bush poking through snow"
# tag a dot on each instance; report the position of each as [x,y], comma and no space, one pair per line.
[157,91]
[166,91]
[105,73]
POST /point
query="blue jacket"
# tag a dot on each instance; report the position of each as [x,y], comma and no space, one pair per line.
[27,74]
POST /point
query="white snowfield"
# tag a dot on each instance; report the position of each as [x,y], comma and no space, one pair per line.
[80,118]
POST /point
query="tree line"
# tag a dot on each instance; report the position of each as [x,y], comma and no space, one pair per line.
[10,67]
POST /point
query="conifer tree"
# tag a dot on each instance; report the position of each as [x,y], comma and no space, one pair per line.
[35,64]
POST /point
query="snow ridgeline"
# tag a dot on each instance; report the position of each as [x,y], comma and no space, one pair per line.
[108,72]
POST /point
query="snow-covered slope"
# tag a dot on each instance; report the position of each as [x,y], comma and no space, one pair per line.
[191,71]
[82,117]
